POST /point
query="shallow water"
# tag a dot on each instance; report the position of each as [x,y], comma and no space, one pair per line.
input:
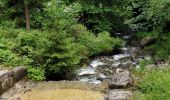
[95,71]
[102,68]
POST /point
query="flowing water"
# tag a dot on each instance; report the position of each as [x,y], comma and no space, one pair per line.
[103,67]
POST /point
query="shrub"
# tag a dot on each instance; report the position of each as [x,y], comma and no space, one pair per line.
[93,44]
[62,52]
[8,57]
[36,74]
[55,52]
[106,43]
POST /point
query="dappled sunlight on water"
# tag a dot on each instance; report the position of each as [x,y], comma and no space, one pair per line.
[63,94]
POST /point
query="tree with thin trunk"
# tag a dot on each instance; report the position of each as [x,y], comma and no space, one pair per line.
[27,19]
[14,8]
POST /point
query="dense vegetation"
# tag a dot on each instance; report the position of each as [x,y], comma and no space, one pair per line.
[54,36]
[152,19]
[56,42]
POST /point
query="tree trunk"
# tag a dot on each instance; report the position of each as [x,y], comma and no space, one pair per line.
[27,19]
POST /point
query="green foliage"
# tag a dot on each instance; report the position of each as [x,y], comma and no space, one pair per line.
[7,56]
[148,15]
[161,49]
[12,12]
[144,63]
[155,85]
[58,44]
[102,15]
[61,52]
[106,43]
[92,43]
[55,50]
[36,74]
[58,15]
[141,35]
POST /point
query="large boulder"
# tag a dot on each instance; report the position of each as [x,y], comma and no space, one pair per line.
[118,95]
[121,79]
[6,80]
[147,41]
[19,73]
[9,77]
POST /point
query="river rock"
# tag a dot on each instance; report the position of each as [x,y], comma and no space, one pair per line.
[158,66]
[9,77]
[118,95]
[127,65]
[147,41]
[19,72]
[105,70]
[121,79]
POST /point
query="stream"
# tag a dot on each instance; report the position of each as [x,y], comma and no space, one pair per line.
[102,68]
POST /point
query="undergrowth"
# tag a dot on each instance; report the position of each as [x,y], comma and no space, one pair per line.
[155,85]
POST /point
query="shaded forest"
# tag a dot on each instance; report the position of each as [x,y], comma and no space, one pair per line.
[55,37]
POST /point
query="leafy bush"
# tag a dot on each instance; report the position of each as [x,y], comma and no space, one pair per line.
[55,52]
[8,57]
[62,52]
[106,42]
[92,43]
[36,74]
[155,85]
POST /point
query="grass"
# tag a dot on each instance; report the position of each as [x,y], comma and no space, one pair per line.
[154,86]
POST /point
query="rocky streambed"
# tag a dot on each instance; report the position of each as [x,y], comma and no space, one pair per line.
[115,70]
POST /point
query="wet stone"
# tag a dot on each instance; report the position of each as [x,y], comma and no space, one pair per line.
[121,79]
[19,72]
[118,95]
[6,80]
[9,77]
